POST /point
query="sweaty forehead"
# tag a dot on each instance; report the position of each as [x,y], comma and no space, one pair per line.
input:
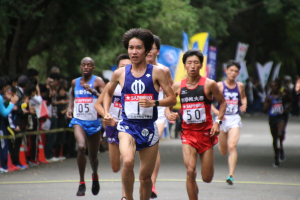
[87,60]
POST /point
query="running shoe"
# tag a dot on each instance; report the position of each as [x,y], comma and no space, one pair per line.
[2,170]
[81,190]
[22,167]
[276,163]
[154,193]
[281,156]
[123,198]
[229,180]
[96,185]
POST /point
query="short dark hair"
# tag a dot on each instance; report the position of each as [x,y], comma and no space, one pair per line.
[157,41]
[122,57]
[32,72]
[233,63]
[192,52]
[143,34]
[54,76]
[31,88]
[23,81]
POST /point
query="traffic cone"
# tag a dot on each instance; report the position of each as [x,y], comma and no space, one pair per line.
[10,166]
[41,154]
[22,156]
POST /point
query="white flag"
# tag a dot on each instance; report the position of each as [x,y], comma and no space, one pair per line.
[241,52]
[276,71]
[243,75]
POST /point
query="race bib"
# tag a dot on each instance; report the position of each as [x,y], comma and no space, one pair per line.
[277,109]
[133,109]
[116,110]
[194,113]
[84,109]
[232,106]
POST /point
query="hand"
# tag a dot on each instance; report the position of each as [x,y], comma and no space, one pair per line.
[215,130]
[109,120]
[172,116]
[87,87]
[69,113]
[146,103]
[14,99]
[243,107]
[17,129]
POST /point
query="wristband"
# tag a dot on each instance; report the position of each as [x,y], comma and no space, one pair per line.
[94,92]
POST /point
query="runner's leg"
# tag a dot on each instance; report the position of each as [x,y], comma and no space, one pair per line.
[207,165]
[233,138]
[80,137]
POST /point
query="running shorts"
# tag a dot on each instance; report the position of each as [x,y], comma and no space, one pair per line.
[144,136]
[231,121]
[112,134]
[274,120]
[201,140]
[90,127]
[161,118]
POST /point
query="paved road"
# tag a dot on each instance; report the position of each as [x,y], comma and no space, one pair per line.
[255,178]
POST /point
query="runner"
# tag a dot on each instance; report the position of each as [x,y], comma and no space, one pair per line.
[115,111]
[161,122]
[234,94]
[277,104]
[199,134]
[140,84]
[87,125]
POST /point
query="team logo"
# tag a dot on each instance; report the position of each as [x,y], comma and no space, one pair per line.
[201,98]
[183,91]
[145,132]
[138,87]
[126,127]
[148,75]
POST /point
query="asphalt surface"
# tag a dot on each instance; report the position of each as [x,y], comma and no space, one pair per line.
[255,178]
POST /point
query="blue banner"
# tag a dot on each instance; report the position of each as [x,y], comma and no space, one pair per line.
[212,62]
[169,57]
[185,42]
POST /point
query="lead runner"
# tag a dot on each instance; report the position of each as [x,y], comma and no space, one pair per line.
[140,84]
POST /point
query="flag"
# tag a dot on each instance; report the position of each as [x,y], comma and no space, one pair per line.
[276,71]
[169,57]
[212,62]
[241,51]
[243,75]
[185,42]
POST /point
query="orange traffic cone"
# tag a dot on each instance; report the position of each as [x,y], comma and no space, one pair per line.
[22,156]
[41,154]
[10,166]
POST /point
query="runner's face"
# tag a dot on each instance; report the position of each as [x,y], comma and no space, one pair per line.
[124,62]
[232,72]
[87,67]
[192,66]
[136,51]
[274,87]
[151,56]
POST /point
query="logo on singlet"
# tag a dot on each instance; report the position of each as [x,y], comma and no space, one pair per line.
[145,132]
[231,96]
[138,87]
[148,75]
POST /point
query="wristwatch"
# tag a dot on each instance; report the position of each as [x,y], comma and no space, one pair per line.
[219,121]
[156,103]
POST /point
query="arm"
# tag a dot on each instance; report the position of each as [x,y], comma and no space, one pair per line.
[108,94]
[243,107]
[98,85]
[214,110]
[98,105]
[71,100]
[297,88]
[172,116]
[267,104]
[5,111]
[168,73]
[217,94]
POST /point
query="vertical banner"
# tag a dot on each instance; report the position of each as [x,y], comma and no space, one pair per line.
[276,71]
[241,52]
[212,62]
[243,75]
[263,74]
[185,42]
[200,42]
[169,57]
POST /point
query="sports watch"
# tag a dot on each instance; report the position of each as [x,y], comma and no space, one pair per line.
[219,121]
[156,103]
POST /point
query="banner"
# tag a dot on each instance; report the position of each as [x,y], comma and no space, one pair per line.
[212,62]
[243,75]
[200,42]
[263,74]
[241,52]
[169,57]
[185,42]
[276,71]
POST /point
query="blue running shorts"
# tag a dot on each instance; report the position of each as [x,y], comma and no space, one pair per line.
[144,136]
[90,127]
[112,134]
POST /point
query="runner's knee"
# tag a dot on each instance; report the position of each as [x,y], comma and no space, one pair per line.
[191,172]
[223,151]
[128,164]
[207,178]
[81,149]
